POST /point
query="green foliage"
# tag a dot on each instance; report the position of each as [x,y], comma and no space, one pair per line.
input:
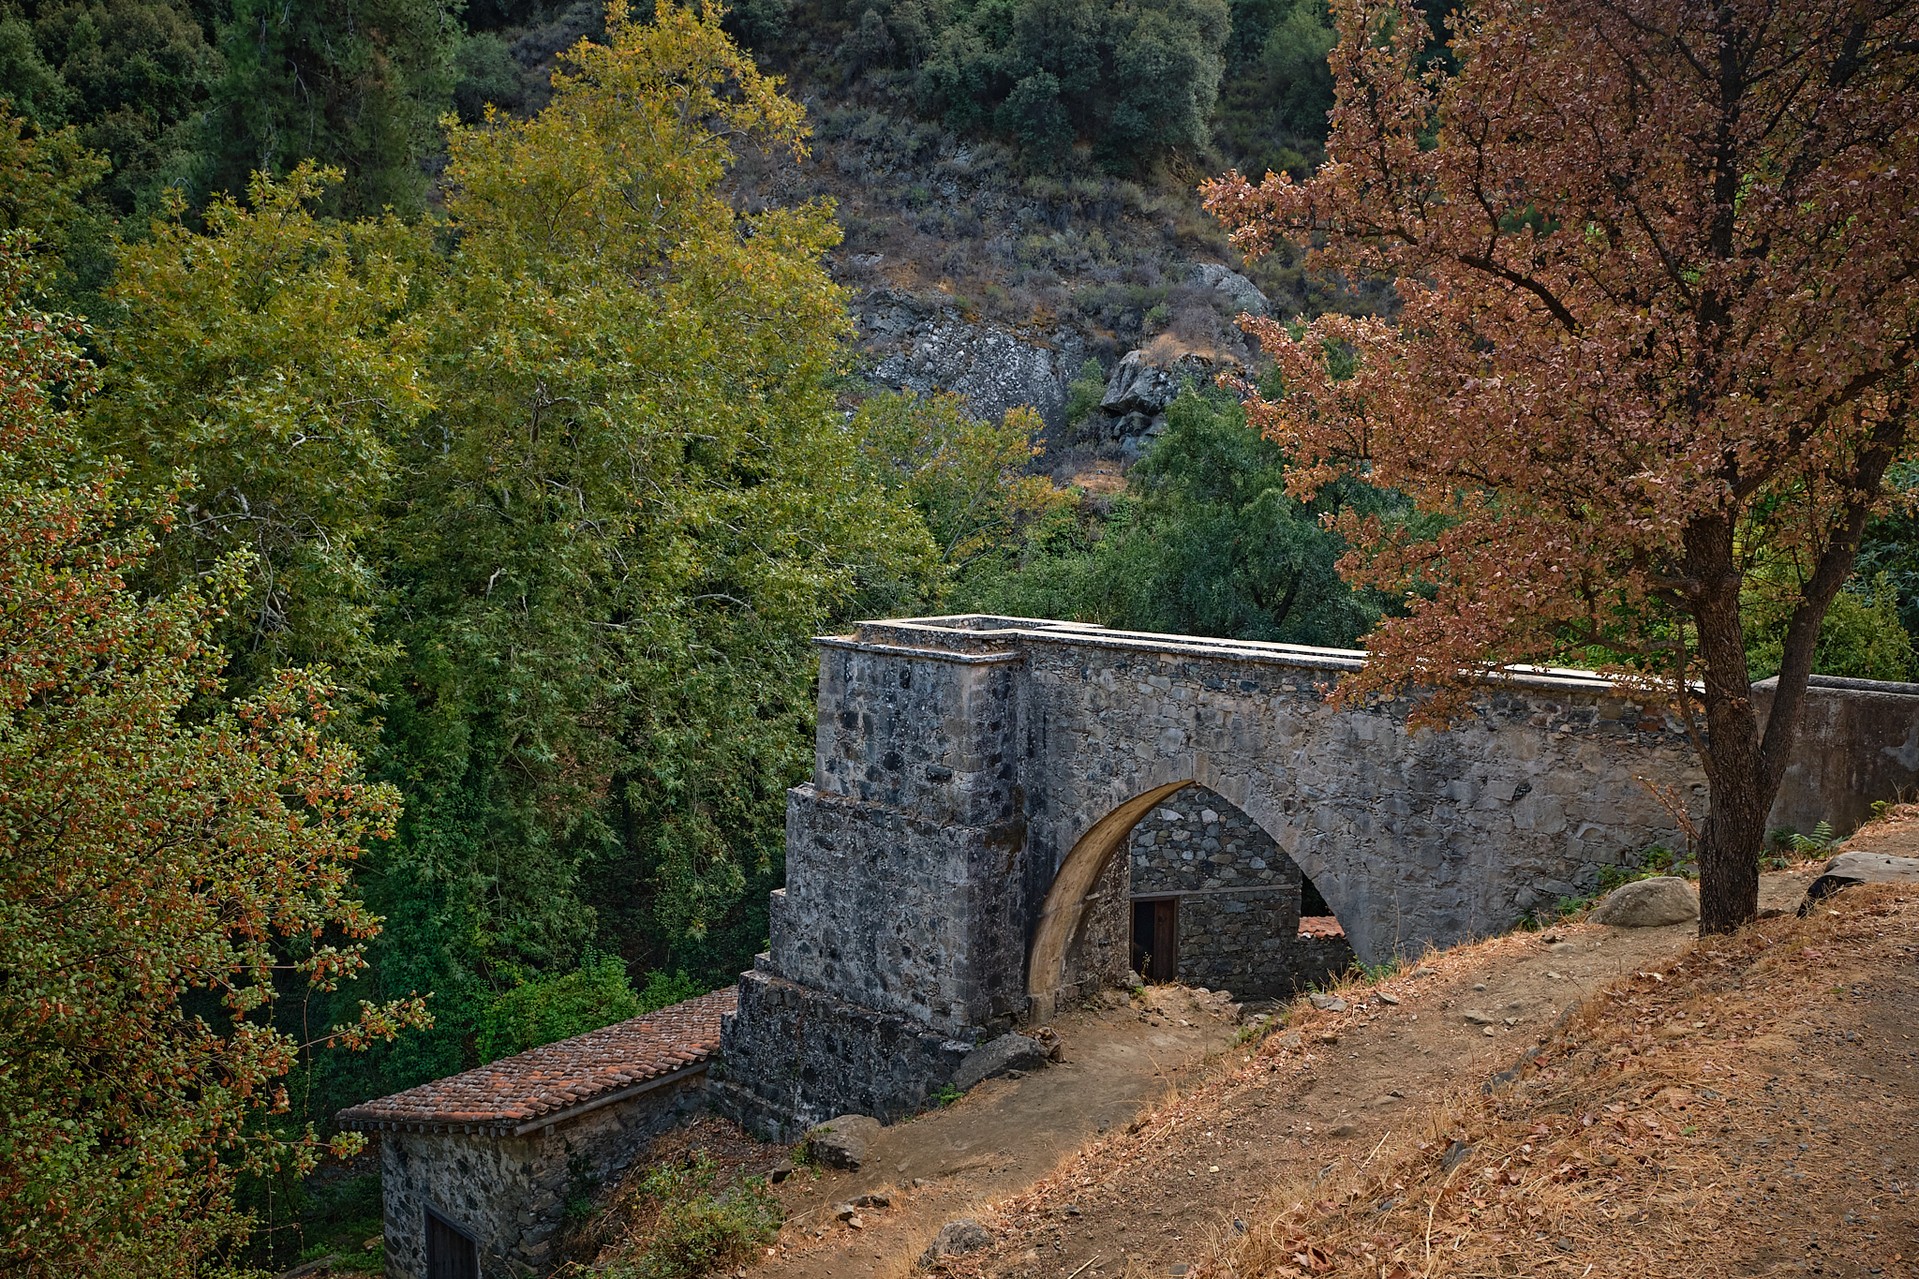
[1132,78]
[664,989]
[1278,89]
[1085,392]
[1862,636]
[700,1229]
[276,356]
[485,73]
[165,880]
[562,492]
[357,84]
[45,179]
[130,77]
[966,478]
[1210,544]
[947,1095]
[557,1006]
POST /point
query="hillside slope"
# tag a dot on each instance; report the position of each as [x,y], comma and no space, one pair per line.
[1740,1106]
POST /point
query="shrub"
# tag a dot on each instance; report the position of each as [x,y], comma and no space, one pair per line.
[547,1009]
[699,1228]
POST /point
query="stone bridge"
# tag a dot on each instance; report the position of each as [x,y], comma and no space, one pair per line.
[950,867]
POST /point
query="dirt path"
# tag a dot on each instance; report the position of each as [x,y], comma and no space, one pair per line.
[1000,1138]
[1745,1111]
[1157,1189]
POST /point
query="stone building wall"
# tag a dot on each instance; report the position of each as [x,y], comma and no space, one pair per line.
[1238,894]
[509,1193]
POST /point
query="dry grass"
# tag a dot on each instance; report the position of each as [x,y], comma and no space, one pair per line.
[1613,1148]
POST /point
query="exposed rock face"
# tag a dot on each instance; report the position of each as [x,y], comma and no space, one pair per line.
[1848,869]
[1138,391]
[1137,386]
[928,347]
[1238,292]
[843,1142]
[1649,903]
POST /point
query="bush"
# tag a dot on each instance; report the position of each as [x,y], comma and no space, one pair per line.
[1085,392]
[700,1229]
[1862,636]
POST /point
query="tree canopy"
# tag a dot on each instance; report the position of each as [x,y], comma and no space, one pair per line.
[165,882]
[1658,274]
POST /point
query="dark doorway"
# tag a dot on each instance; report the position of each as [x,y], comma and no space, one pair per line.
[1156,938]
[1310,902]
[450,1251]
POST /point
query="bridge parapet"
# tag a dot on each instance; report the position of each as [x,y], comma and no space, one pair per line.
[974,776]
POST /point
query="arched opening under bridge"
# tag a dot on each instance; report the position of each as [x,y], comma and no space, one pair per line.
[1181,884]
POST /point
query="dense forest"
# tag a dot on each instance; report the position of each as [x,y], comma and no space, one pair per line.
[447,441]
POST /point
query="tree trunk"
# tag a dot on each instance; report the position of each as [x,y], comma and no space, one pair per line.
[1739,788]
[1729,851]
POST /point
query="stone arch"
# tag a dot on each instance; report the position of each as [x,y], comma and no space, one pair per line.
[1065,908]
[1064,915]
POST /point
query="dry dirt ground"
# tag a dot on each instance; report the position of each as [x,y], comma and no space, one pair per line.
[1581,1102]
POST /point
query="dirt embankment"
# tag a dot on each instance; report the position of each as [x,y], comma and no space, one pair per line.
[1580,1102]
[1741,1106]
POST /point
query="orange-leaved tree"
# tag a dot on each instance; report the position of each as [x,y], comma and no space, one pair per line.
[170,866]
[1658,307]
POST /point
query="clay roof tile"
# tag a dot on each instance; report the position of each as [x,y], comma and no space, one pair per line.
[542,1081]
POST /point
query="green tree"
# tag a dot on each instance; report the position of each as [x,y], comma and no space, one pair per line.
[162,883]
[277,357]
[130,76]
[1206,542]
[1132,78]
[631,507]
[967,479]
[357,84]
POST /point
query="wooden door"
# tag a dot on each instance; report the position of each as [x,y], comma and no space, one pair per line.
[1156,939]
[450,1251]
[1165,940]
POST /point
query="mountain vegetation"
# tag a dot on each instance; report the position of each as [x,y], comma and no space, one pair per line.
[431,434]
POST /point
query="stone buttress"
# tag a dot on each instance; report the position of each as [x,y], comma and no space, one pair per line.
[899,940]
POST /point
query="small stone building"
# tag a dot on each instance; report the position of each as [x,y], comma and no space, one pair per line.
[476,1170]
[1206,897]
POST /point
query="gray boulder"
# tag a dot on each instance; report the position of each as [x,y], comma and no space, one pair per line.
[1649,903]
[1234,289]
[842,1142]
[1139,387]
[996,1057]
[1848,869]
[956,1237]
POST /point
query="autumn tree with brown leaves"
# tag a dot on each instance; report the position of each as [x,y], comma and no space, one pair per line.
[1658,282]
[170,872]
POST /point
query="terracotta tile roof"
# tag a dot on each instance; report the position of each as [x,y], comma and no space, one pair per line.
[1320,926]
[560,1079]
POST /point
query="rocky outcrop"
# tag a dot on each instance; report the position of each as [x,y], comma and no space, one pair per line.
[1237,292]
[928,346]
[1141,386]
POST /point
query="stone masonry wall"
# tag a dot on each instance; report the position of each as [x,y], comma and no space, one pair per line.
[965,767]
[510,1193]
[795,1056]
[1238,898]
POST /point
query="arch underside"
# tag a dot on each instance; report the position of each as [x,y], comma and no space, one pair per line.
[1065,908]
